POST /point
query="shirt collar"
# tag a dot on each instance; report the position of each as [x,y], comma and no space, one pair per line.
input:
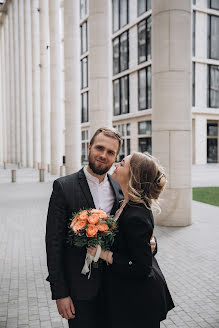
[93,179]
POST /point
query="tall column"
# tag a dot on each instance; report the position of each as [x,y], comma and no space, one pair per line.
[28,76]
[99,65]
[55,88]
[1,103]
[72,86]
[4,92]
[12,83]
[8,98]
[44,83]
[22,83]
[17,84]
[171,103]
[35,29]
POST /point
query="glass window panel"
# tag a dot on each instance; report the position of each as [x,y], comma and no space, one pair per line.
[124,95]
[128,127]
[144,145]
[142,41]
[116,97]
[115,15]
[214,4]
[123,12]
[212,149]
[83,8]
[84,109]
[214,35]
[83,152]
[116,56]
[148,38]
[124,51]
[128,147]
[83,137]
[193,32]
[212,130]
[194,2]
[149,94]
[144,127]
[84,71]
[122,152]
[141,7]
[193,84]
[213,86]
[142,89]
[148,4]
[83,38]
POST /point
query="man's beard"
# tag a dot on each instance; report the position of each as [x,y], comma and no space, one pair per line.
[95,169]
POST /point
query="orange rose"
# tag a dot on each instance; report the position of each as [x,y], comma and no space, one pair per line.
[102,227]
[83,216]
[78,226]
[100,213]
[93,218]
[92,230]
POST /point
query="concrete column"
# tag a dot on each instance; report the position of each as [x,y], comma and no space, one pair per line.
[35,29]
[4,91]
[8,98]
[12,84]
[99,64]
[201,140]
[17,84]
[72,86]
[28,76]
[22,83]
[55,88]
[45,83]
[171,103]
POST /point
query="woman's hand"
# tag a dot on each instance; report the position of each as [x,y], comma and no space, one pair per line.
[104,255]
[92,251]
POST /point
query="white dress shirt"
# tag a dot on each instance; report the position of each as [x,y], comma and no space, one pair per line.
[102,192]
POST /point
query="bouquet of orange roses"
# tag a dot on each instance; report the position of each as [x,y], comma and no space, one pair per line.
[90,228]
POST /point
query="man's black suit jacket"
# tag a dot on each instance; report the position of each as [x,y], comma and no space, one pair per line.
[71,194]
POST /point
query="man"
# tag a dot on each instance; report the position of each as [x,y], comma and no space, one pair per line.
[79,299]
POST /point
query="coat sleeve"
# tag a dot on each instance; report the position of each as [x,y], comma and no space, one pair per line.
[136,258]
[55,237]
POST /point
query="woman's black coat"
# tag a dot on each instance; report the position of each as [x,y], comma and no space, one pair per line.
[137,290]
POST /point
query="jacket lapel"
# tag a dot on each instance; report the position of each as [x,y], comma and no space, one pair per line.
[85,189]
[118,194]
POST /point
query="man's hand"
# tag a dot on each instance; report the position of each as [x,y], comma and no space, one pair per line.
[66,307]
[153,243]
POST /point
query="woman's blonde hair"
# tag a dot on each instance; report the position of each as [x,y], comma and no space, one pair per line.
[147,180]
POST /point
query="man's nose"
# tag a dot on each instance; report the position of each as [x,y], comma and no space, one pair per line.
[104,154]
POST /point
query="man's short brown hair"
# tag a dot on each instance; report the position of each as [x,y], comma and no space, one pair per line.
[108,132]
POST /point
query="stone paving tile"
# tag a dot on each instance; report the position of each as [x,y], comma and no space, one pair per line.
[188,257]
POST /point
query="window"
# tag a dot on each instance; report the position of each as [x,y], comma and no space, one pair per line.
[144,40]
[84,107]
[214,4]
[120,14]
[194,2]
[212,142]
[125,150]
[193,32]
[193,84]
[144,88]
[144,140]
[84,73]
[84,147]
[213,86]
[83,38]
[120,53]
[143,5]
[213,37]
[121,95]
[83,8]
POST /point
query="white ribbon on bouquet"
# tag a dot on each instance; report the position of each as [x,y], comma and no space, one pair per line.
[88,262]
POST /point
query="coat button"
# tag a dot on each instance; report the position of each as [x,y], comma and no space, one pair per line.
[130,262]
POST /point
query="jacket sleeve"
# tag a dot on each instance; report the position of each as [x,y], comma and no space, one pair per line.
[55,236]
[136,260]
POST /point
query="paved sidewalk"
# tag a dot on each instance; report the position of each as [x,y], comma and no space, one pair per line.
[188,257]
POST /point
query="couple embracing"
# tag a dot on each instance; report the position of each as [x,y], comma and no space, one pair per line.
[126,288]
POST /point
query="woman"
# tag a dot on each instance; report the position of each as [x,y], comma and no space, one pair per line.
[137,292]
